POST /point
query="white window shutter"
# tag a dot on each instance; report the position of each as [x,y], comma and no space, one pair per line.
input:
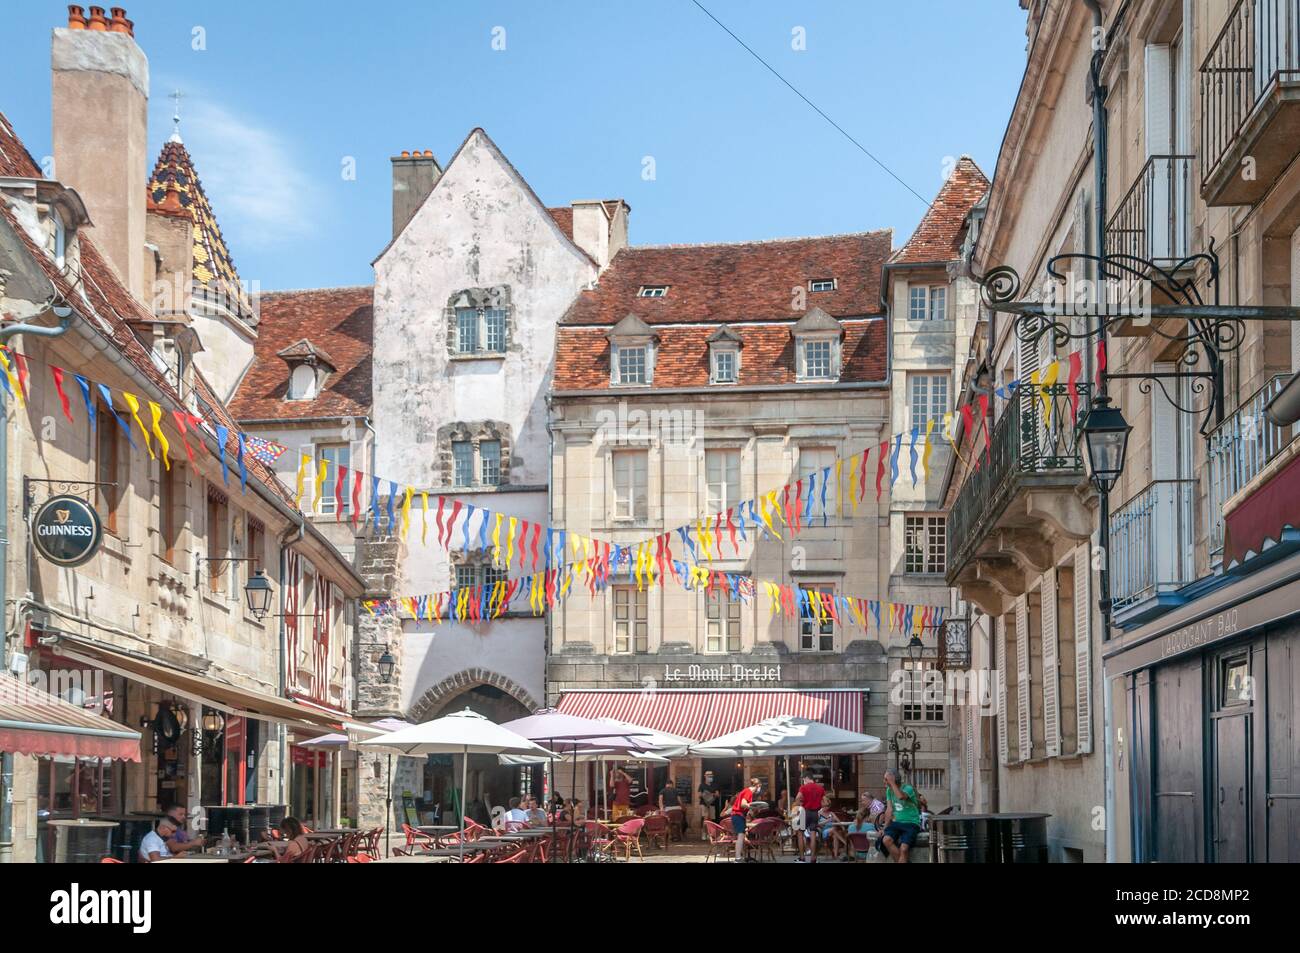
[1051,685]
[1022,678]
[1159,133]
[1164,430]
[1083,644]
[1000,649]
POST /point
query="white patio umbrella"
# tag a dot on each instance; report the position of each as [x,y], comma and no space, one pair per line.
[783,736]
[464,733]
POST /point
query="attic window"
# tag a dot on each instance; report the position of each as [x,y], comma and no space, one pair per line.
[652,291]
[302,383]
[821,284]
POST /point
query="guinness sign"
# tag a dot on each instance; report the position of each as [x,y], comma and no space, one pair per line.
[66,530]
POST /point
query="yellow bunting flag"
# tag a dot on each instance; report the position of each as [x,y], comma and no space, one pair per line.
[496,540]
[1049,380]
[510,540]
[763,504]
[424,515]
[156,412]
[322,470]
[406,511]
[15,385]
[302,477]
[839,485]
[925,454]
[134,404]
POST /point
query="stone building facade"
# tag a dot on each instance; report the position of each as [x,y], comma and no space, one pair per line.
[691,379]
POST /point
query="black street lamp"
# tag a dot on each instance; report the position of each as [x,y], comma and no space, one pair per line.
[915,648]
[1106,431]
[386,665]
[258,593]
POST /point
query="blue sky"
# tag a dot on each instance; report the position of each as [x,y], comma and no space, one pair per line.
[284,93]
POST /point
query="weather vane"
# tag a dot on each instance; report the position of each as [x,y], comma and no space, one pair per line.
[176,97]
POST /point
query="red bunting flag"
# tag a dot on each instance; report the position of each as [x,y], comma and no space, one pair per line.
[537,532]
[356,496]
[523,540]
[880,468]
[180,418]
[785,507]
[21,363]
[731,532]
[451,522]
[338,491]
[1076,368]
[195,425]
[862,475]
[1101,361]
[798,504]
[438,521]
[57,373]
[717,532]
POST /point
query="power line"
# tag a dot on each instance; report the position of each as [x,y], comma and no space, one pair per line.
[865,151]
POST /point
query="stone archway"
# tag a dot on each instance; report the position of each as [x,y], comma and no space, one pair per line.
[434,701]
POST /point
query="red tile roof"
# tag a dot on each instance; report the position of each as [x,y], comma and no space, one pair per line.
[109,306]
[738,282]
[336,321]
[682,356]
[939,236]
[563,218]
[750,287]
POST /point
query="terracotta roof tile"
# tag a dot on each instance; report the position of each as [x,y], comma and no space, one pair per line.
[735,282]
[938,237]
[336,322]
[563,218]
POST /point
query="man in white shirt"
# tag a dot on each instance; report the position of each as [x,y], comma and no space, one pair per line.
[153,846]
[516,814]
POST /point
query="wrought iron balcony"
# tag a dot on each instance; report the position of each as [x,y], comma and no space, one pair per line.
[1151,543]
[1152,222]
[1250,101]
[1033,445]
[1239,448]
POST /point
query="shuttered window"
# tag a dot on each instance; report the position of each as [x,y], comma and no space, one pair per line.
[1083,645]
[1000,649]
[1051,669]
[1023,714]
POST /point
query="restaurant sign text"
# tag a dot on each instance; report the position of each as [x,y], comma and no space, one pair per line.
[732,672]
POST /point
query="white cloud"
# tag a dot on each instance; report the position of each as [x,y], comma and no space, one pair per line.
[255,183]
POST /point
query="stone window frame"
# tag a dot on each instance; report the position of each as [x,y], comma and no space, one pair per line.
[803,341]
[475,433]
[497,297]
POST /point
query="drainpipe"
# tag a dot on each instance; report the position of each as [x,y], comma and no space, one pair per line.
[1099,144]
[64,314]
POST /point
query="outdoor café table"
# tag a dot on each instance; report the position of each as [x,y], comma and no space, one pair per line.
[436,829]
[415,859]
[193,860]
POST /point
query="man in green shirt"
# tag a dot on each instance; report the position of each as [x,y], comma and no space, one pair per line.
[902,819]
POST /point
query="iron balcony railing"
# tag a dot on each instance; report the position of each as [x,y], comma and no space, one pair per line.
[1152,220]
[1258,46]
[1151,542]
[1033,442]
[1239,448]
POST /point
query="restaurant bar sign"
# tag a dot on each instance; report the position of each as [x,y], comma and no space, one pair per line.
[722,673]
[66,530]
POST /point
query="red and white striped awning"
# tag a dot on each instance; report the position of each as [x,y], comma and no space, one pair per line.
[701,714]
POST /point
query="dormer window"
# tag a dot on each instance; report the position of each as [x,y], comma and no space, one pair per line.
[724,356]
[652,291]
[821,284]
[302,383]
[631,352]
[817,347]
[309,367]
[60,240]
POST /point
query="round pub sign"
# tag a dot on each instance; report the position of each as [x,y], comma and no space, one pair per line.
[66,530]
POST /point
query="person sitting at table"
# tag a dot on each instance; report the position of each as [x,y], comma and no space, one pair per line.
[153,846]
[294,845]
[873,806]
[516,814]
[575,811]
[862,823]
[182,840]
[536,816]
[829,833]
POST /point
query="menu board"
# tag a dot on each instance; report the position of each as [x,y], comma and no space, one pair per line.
[684,788]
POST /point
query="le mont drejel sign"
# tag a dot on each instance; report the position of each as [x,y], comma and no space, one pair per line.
[66,530]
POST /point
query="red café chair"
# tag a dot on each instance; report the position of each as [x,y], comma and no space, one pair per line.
[111,860]
[416,838]
[656,829]
[627,836]
[761,839]
[721,840]
[859,843]
[519,857]
[361,859]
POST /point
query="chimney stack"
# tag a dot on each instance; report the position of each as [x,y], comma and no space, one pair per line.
[414,175]
[100,132]
[600,228]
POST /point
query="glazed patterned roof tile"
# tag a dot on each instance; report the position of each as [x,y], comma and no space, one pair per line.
[175,190]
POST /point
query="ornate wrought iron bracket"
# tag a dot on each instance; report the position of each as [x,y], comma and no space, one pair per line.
[1119,290]
[81,488]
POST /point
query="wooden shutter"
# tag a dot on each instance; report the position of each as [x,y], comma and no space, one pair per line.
[1000,650]
[1051,669]
[1164,430]
[1083,644]
[1024,739]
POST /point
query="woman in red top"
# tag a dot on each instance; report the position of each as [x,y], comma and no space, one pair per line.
[739,810]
